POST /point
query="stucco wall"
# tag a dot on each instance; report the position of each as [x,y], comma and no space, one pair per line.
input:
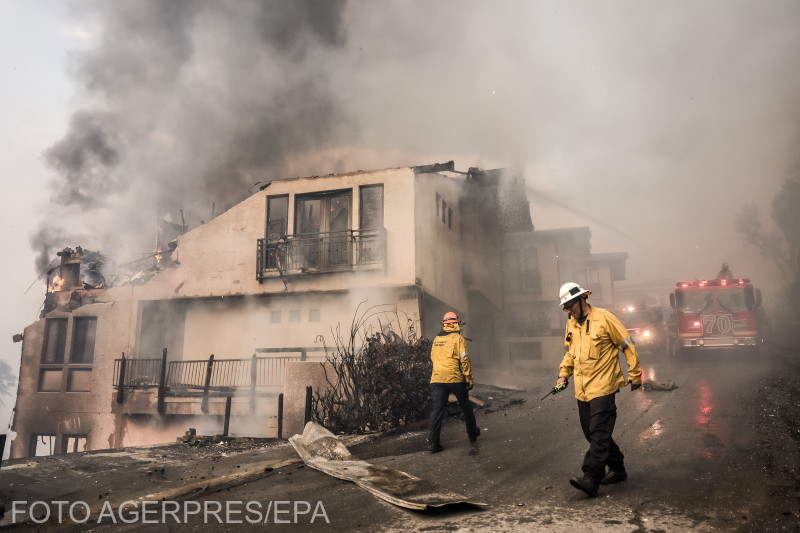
[219,258]
[441,246]
[73,412]
[300,375]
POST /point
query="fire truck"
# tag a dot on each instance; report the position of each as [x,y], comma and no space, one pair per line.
[714,314]
[645,325]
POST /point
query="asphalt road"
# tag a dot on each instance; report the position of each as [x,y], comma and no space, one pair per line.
[719,453]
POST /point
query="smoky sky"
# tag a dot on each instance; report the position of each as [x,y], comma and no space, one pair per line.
[650,122]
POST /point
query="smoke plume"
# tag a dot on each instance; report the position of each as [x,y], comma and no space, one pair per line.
[658,119]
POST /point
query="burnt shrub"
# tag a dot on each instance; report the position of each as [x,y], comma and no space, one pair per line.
[378,379]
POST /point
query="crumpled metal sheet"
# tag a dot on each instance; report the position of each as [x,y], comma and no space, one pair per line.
[322,450]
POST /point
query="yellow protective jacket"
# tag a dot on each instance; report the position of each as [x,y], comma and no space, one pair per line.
[449,357]
[592,355]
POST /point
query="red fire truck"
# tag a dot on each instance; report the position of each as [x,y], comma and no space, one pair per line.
[716,313]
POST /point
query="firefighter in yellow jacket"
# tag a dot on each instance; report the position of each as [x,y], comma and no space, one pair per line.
[592,340]
[452,374]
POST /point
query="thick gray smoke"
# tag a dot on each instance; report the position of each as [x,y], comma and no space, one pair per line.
[659,119]
[191,103]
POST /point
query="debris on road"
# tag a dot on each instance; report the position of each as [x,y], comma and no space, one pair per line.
[652,385]
[322,450]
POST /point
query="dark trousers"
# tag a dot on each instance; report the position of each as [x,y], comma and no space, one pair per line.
[598,417]
[440,392]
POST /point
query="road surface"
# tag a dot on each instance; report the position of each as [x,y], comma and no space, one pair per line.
[719,453]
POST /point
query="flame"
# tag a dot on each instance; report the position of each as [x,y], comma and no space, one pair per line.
[56,284]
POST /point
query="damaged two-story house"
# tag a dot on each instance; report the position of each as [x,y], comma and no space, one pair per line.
[207,332]
[535,264]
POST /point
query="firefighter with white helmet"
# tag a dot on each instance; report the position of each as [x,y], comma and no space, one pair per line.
[592,341]
[451,374]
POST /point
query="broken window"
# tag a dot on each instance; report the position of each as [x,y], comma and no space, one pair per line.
[42,444]
[73,443]
[277,217]
[277,229]
[323,224]
[371,207]
[55,339]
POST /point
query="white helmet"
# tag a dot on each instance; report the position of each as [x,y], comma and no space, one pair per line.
[570,291]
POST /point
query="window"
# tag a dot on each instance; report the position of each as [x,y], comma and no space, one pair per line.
[521,270]
[277,217]
[50,380]
[294,315]
[275,317]
[443,212]
[84,329]
[55,338]
[277,228]
[371,207]
[313,315]
[324,212]
[79,380]
[530,270]
[42,444]
[323,224]
[73,443]
[77,367]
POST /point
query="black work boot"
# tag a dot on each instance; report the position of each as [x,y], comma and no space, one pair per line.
[477,434]
[585,483]
[614,476]
[433,448]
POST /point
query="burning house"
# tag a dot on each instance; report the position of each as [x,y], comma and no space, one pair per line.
[223,324]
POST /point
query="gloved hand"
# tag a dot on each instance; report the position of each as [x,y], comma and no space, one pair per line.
[470,385]
[635,386]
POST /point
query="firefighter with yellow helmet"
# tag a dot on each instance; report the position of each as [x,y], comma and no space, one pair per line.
[451,374]
[592,341]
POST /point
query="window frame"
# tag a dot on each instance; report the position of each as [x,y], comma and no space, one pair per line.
[62,376]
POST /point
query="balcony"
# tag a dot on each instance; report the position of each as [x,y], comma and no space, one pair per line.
[338,251]
[251,378]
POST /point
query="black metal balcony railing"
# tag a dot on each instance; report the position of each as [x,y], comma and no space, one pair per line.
[259,372]
[208,377]
[321,252]
[138,373]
